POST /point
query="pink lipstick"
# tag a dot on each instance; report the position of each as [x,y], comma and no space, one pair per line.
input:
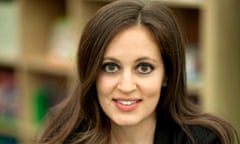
[127,105]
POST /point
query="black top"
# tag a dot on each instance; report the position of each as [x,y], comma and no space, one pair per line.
[167,132]
[170,133]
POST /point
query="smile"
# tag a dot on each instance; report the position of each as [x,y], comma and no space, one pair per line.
[126,102]
[127,105]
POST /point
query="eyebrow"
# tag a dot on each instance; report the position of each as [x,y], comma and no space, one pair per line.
[137,60]
[111,59]
[146,58]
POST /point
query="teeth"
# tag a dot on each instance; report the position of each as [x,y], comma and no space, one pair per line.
[123,102]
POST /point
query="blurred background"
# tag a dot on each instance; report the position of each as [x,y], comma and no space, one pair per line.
[39,39]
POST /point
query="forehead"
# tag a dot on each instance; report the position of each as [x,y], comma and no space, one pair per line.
[133,41]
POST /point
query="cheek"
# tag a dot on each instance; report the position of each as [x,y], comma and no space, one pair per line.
[151,87]
[105,85]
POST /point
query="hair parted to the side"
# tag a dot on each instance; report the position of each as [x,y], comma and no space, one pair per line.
[79,118]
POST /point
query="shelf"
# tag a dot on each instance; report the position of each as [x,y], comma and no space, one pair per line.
[39,66]
[8,62]
[9,40]
[183,3]
[8,127]
[31,36]
[194,88]
[172,3]
[42,64]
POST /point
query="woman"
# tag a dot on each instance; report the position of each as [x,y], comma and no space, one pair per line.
[132,84]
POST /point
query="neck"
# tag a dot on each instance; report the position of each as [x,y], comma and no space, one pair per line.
[142,133]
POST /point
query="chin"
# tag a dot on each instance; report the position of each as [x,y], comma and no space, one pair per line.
[126,121]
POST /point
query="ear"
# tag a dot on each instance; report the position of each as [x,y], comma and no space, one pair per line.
[165,82]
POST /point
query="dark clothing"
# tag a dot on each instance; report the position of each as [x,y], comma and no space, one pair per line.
[167,133]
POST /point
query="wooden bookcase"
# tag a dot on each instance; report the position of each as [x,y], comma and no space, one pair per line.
[33,71]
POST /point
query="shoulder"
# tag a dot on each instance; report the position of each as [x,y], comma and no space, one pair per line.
[204,135]
[200,134]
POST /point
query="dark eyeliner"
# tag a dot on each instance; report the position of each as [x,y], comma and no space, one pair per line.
[109,64]
[144,64]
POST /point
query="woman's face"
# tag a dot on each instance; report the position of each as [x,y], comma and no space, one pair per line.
[131,78]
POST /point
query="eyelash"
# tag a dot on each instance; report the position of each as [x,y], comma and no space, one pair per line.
[106,65]
[138,67]
[145,65]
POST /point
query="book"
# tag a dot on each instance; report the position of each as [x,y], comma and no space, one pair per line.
[8,140]
[9,103]
[193,69]
[62,45]
[50,91]
[9,40]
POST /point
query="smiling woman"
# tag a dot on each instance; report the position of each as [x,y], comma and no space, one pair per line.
[132,86]
[131,65]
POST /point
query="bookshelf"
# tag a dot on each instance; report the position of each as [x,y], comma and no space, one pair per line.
[40,77]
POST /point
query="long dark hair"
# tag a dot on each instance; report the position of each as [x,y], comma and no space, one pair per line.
[79,119]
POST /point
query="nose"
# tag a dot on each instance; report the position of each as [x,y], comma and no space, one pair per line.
[127,82]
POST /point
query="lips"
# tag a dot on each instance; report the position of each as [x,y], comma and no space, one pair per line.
[127,105]
[126,102]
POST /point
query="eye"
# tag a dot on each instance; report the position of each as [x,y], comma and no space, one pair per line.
[144,68]
[110,67]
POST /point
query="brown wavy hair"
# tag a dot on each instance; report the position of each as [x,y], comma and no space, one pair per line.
[80,119]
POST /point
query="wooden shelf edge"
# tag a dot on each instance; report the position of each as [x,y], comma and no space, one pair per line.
[176,3]
[194,88]
[197,4]
[43,65]
[11,62]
